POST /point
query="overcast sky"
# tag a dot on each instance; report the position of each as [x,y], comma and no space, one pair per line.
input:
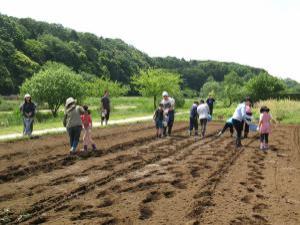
[260,33]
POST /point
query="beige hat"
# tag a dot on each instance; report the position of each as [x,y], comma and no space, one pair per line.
[27,96]
[69,101]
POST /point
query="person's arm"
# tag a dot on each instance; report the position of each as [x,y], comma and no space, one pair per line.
[65,120]
[80,109]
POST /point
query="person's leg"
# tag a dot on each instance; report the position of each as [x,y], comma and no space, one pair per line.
[246,130]
[191,126]
[77,131]
[266,141]
[238,126]
[170,122]
[201,126]
[71,137]
[102,119]
[261,137]
[204,127]
[231,129]
[85,139]
[211,110]
[30,127]
[107,116]
[196,126]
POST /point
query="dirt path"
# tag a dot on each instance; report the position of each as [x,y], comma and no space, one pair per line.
[137,179]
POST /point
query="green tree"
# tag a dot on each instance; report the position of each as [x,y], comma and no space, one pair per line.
[233,87]
[152,82]
[211,87]
[264,87]
[53,84]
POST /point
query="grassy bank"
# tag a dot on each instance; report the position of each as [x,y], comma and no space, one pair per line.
[284,111]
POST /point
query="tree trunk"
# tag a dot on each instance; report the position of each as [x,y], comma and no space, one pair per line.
[154,102]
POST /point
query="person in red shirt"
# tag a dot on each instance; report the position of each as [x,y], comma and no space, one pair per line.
[87,129]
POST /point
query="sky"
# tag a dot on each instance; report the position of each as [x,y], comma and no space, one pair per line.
[259,33]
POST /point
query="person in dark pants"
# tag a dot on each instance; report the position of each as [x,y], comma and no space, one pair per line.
[203,113]
[28,110]
[105,108]
[249,117]
[72,121]
[210,102]
[194,119]
[238,119]
[227,125]
[169,107]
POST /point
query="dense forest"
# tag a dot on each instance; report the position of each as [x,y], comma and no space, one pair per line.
[26,45]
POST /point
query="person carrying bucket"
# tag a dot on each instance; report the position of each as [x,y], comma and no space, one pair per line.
[169,111]
[28,110]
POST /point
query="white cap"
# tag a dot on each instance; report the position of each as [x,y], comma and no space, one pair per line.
[165,94]
[70,101]
[27,96]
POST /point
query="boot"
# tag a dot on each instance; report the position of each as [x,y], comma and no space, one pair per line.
[261,146]
[246,135]
[238,143]
[94,147]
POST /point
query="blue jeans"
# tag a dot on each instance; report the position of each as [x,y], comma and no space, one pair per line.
[171,116]
[74,135]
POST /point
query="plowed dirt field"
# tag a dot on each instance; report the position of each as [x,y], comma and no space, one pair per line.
[135,178]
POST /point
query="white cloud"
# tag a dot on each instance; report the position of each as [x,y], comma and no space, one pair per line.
[261,33]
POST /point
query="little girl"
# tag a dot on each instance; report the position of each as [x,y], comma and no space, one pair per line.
[87,128]
[264,127]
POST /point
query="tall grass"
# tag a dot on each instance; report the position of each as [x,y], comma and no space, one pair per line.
[285,110]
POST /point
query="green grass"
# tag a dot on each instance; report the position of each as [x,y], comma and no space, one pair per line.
[125,107]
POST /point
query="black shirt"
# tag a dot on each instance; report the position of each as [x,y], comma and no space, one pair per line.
[159,115]
[210,102]
[105,102]
[28,107]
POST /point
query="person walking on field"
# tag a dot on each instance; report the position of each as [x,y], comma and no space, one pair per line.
[264,127]
[72,121]
[194,119]
[105,108]
[169,111]
[210,102]
[158,118]
[87,129]
[238,119]
[203,112]
[28,110]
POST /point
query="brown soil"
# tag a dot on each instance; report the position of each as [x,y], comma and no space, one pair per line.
[136,179]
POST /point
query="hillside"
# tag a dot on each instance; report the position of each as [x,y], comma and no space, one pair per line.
[26,45]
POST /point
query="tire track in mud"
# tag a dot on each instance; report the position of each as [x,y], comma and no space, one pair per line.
[204,197]
[178,145]
[58,162]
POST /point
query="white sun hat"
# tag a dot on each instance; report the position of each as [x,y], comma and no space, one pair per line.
[27,96]
[165,94]
[70,101]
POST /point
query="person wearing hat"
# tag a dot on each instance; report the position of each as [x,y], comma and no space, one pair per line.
[28,110]
[169,107]
[72,121]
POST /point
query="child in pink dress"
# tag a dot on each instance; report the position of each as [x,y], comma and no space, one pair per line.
[87,129]
[264,127]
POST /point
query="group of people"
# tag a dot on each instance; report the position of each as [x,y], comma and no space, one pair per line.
[78,118]
[241,120]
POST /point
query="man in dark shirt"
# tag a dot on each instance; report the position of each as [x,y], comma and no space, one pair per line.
[105,108]
[210,102]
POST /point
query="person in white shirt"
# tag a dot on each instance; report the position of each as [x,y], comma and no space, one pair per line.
[169,107]
[203,112]
[238,119]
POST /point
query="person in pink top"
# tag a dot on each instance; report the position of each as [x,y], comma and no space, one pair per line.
[87,129]
[264,127]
